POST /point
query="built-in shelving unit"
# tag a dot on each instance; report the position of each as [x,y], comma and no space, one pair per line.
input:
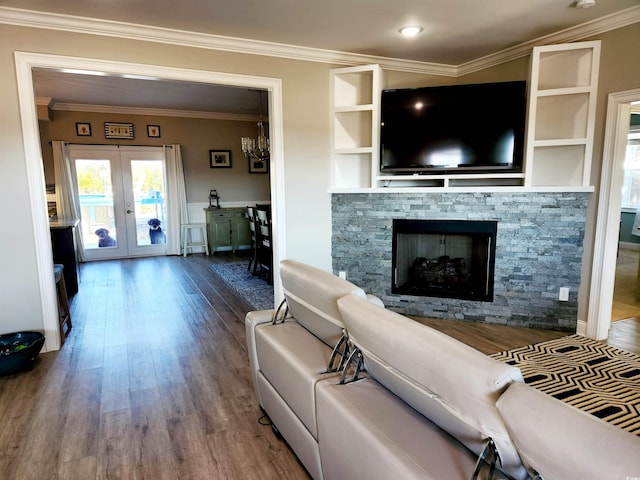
[559,139]
[560,127]
[355,125]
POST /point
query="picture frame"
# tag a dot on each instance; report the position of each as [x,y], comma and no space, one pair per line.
[83,129]
[220,158]
[118,130]
[153,131]
[257,165]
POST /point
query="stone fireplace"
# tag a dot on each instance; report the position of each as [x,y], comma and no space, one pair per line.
[444,258]
[538,249]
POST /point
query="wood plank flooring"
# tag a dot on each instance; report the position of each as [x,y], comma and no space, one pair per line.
[153,382]
[626,300]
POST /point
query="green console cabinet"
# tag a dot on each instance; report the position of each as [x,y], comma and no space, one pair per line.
[227,229]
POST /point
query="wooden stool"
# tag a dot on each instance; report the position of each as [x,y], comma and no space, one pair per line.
[187,241]
[64,313]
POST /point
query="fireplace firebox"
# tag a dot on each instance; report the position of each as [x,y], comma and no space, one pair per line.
[444,258]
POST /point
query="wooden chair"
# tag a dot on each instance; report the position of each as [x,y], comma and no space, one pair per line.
[264,241]
[64,312]
[251,216]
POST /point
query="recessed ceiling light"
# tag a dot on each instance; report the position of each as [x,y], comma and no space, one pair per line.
[410,31]
[584,3]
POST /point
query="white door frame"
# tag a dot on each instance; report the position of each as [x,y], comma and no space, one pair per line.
[605,249]
[26,62]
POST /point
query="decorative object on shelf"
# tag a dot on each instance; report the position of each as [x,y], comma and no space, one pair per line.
[118,130]
[220,158]
[83,129]
[257,148]
[153,131]
[214,199]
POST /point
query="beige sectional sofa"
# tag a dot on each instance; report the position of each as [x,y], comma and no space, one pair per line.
[425,406]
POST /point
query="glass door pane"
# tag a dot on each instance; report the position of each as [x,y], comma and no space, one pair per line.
[144,200]
[95,190]
[148,192]
[122,198]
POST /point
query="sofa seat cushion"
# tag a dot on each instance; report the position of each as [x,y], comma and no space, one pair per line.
[445,380]
[560,441]
[367,432]
[293,360]
[312,296]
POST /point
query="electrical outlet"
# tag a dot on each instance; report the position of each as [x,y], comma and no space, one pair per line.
[563,296]
[342,274]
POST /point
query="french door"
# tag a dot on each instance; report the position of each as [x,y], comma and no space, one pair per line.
[121,191]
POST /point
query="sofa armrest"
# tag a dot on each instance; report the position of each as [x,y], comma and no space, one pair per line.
[251,321]
[560,441]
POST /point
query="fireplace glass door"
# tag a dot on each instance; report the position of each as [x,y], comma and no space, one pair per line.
[444,258]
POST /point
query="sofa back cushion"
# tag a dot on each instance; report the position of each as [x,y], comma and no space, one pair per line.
[452,384]
[312,296]
[560,441]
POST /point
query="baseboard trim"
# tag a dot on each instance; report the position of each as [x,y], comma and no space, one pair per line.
[581,328]
[629,246]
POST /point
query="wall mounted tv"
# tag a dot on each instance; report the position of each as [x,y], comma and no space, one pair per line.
[477,128]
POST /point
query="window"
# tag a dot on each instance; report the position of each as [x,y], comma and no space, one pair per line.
[631,182]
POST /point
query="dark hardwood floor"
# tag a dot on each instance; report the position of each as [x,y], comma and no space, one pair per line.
[153,382]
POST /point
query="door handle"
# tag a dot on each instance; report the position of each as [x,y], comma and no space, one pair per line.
[129,211]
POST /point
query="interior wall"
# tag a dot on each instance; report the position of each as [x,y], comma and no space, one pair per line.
[626,227]
[305,143]
[196,136]
[305,122]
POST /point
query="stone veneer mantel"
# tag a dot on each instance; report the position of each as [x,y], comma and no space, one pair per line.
[539,249]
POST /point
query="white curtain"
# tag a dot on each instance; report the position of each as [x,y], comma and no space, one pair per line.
[177,213]
[68,202]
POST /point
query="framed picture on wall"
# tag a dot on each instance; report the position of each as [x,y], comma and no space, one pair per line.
[118,130]
[153,131]
[258,165]
[83,129]
[220,158]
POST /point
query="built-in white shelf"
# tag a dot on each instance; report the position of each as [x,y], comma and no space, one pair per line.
[355,124]
[467,189]
[559,138]
[561,114]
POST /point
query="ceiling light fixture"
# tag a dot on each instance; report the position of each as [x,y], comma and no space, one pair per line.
[257,148]
[584,3]
[410,30]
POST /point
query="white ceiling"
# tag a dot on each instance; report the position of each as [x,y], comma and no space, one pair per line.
[455,32]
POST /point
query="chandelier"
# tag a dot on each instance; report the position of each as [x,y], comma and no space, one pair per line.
[257,148]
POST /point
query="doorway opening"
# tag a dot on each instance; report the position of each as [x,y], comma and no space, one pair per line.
[608,216]
[27,62]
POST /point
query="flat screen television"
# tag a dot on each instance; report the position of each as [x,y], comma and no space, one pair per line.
[477,128]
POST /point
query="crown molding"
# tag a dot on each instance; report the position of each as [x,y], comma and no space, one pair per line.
[580,32]
[93,26]
[156,112]
[46,101]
